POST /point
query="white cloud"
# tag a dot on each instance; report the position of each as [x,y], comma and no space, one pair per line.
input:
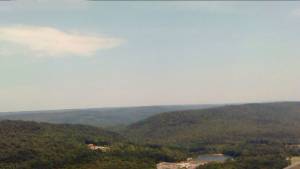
[51,42]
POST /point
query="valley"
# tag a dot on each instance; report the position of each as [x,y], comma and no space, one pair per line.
[137,84]
[99,117]
[245,136]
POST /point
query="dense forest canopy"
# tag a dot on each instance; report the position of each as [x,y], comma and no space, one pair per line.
[228,124]
[31,145]
[256,136]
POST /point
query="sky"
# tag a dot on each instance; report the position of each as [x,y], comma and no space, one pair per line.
[79,54]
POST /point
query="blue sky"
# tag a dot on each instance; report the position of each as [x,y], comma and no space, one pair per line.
[70,54]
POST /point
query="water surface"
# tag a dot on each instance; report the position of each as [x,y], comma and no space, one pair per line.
[213,157]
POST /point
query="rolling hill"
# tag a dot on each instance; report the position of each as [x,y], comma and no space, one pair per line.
[31,145]
[220,125]
[103,117]
[256,135]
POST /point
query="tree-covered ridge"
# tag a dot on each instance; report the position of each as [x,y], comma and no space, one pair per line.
[31,145]
[100,117]
[257,136]
[222,125]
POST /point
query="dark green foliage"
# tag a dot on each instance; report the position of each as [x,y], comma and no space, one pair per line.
[256,135]
[270,155]
[204,129]
[30,145]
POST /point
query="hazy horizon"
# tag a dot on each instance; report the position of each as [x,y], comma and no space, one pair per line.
[133,106]
[84,54]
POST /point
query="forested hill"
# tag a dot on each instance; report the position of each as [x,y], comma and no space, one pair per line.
[31,145]
[100,117]
[228,124]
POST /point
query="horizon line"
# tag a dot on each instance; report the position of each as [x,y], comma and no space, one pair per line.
[150,105]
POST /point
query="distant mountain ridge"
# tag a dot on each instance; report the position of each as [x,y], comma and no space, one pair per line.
[101,117]
[219,125]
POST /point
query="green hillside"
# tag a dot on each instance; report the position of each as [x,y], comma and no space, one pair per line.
[222,125]
[31,145]
[257,136]
[101,117]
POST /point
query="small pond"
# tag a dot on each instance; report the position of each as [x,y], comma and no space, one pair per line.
[213,157]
